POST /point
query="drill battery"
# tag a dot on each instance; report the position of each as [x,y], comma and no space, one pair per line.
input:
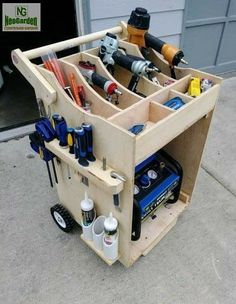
[194,88]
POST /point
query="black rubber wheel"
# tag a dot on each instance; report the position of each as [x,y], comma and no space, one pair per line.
[62,218]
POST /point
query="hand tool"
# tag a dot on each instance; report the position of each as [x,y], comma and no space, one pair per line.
[136,129]
[61,129]
[104,164]
[206,84]
[168,82]
[80,146]
[41,108]
[194,88]
[117,175]
[88,70]
[174,103]
[116,197]
[116,201]
[75,89]
[138,26]
[62,135]
[89,141]
[110,56]
[37,144]
[84,101]
[70,140]
[45,129]
[52,64]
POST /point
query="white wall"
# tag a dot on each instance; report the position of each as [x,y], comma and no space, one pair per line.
[166,16]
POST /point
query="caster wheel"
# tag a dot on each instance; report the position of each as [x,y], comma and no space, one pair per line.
[62,218]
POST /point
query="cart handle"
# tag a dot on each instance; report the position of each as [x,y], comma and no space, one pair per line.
[70,43]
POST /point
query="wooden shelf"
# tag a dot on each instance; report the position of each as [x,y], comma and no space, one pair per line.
[93,172]
[153,230]
[99,252]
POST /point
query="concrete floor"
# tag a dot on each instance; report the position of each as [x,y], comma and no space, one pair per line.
[194,263]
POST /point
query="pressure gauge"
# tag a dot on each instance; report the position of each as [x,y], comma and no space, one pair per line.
[145,181]
[136,190]
[152,174]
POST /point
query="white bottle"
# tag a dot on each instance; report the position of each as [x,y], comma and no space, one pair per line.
[88,211]
[110,229]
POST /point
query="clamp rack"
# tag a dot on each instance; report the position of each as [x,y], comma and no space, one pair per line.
[182,133]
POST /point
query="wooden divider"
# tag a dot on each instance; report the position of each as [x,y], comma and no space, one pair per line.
[125,100]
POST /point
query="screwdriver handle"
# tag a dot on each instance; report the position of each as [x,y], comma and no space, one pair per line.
[81,146]
[70,140]
[89,141]
[75,89]
[56,118]
[61,129]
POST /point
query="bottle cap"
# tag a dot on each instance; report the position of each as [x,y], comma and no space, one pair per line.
[87,204]
[110,223]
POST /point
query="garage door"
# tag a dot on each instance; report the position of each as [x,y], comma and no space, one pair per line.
[209,35]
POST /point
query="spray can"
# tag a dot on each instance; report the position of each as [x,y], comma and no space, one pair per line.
[88,210]
[110,229]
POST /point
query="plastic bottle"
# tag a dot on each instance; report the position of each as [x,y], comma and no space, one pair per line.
[110,229]
[88,210]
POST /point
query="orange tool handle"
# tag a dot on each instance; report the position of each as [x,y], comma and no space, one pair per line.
[48,66]
[74,89]
[82,94]
[58,72]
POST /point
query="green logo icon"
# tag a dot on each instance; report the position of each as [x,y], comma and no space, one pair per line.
[21,11]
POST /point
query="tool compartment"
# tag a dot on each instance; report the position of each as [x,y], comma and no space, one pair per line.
[182,133]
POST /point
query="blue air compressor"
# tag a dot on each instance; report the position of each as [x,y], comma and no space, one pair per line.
[157,181]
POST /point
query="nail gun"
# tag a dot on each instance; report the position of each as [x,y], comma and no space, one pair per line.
[138,26]
[88,70]
[110,54]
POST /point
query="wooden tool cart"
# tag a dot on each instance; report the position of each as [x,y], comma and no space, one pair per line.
[181,133]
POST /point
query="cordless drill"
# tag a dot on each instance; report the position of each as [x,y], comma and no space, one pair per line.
[88,70]
[137,27]
[110,56]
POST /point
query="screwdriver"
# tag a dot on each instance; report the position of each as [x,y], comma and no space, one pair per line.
[52,64]
[89,141]
[70,140]
[37,144]
[80,146]
[75,89]
[61,129]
